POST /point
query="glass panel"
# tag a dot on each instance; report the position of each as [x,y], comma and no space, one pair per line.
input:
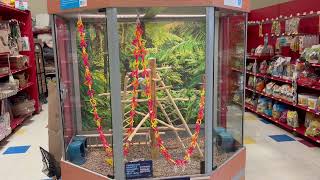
[86,87]
[174,42]
[230,41]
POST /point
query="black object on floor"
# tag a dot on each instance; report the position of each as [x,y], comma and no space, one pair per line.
[50,167]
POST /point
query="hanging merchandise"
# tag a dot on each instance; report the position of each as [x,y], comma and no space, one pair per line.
[276,28]
[292,26]
[15,42]
[89,83]
[260,30]
[307,42]
[4,37]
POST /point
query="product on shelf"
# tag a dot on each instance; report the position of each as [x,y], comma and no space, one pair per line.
[260,84]
[269,88]
[303,99]
[312,55]
[23,108]
[292,25]
[262,50]
[250,67]
[314,126]
[251,82]
[4,37]
[15,43]
[23,79]
[5,128]
[277,110]
[276,28]
[292,119]
[283,117]
[4,70]
[262,104]
[263,67]
[312,102]
[286,92]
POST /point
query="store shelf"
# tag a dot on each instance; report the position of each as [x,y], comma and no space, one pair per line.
[316,65]
[14,71]
[258,58]
[237,70]
[26,86]
[274,78]
[251,73]
[284,101]
[279,79]
[17,121]
[300,130]
[4,54]
[5,10]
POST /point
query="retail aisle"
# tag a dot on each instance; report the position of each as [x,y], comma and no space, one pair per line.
[25,162]
[273,153]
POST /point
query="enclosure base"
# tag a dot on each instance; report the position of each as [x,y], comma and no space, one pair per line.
[234,168]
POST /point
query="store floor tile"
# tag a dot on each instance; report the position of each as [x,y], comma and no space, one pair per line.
[265,121]
[249,140]
[17,150]
[282,138]
[307,143]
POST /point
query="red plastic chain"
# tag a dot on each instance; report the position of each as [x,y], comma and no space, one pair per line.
[140,50]
[89,83]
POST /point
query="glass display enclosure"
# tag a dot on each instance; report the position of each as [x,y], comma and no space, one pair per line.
[161,89]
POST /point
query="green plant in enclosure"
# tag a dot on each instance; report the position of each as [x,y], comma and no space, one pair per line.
[180,45]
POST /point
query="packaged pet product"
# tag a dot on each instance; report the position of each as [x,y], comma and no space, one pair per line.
[4,37]
[251,82]
[283,117]
[308,119]
[262,104]
[276,91]
[268,110]
[303,99]
[269,87]
[286,92]
[292,119]
[312,102]
[260,85]
[314,128]
[263,67]
[250,67]
[277,110]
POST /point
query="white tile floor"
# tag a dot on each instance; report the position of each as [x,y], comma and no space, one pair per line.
[26,166]
[266,159]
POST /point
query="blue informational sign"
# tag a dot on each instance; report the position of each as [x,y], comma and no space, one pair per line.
[72,4]
[234,3]
[139,169]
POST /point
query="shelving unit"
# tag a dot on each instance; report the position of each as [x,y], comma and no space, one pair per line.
[7,13]
[254,41]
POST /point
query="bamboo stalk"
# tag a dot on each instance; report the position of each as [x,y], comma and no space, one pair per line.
[169,121]
[179,114]
[138,127]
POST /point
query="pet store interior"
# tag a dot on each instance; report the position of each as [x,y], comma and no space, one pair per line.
[154,89]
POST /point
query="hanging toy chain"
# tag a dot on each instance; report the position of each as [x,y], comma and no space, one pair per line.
[89,83]
[140,52]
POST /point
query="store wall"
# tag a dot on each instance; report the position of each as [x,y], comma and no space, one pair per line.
[256,4]
[37,7]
